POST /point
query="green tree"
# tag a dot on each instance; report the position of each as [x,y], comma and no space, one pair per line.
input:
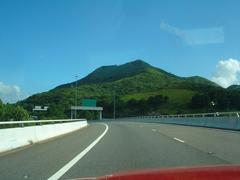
[1,110]
[200,101]
[10,112]
[156,101]
[7,112]
[20,114]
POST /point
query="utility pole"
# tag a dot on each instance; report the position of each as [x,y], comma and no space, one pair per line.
[114,103]
[76,98]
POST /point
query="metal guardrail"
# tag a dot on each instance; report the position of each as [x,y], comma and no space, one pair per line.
[216,114]
[14,124]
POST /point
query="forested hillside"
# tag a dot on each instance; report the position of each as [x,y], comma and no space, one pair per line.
[138,88]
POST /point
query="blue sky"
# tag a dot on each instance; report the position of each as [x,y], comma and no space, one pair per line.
[46,43]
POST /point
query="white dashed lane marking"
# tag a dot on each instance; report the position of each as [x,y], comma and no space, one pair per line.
[179,140]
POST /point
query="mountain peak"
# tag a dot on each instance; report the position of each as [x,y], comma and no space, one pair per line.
[115,72]
[106,74]
[138,62]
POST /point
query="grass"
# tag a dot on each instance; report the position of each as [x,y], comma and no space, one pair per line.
[180,96]
[178,99]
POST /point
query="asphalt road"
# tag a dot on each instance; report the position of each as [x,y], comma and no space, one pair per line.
[124,146]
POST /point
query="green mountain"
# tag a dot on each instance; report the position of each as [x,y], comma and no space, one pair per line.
[234,87]
[139,89]
[113,73]
[141,70]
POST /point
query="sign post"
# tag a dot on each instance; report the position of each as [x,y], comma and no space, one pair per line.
[88,105]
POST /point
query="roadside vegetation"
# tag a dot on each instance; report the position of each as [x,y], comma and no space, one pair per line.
[10,112]
[216,100]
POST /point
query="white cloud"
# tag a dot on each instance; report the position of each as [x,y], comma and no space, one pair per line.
[173,30]
[196,36]
[10,93]
[227,72]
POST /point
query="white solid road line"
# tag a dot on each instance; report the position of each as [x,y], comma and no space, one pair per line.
[70,164]
[179,140]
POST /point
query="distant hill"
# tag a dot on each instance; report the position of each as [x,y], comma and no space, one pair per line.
[234,87]
[134,82]
[137,68]
[116,72]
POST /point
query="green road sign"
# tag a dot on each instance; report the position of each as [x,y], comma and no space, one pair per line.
[89,102]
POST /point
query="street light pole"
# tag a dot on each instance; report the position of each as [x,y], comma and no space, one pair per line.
[114,103]
[114,106]
[76,98]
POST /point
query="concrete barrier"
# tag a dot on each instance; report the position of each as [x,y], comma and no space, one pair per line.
[231,123]
[12,138]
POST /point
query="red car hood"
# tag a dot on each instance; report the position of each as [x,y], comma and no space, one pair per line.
[190,173]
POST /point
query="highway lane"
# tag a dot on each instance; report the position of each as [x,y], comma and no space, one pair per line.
[42,160]
[125,146]
[224,144]
[129,146]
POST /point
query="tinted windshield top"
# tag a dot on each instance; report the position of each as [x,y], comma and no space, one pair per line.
[117,85]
